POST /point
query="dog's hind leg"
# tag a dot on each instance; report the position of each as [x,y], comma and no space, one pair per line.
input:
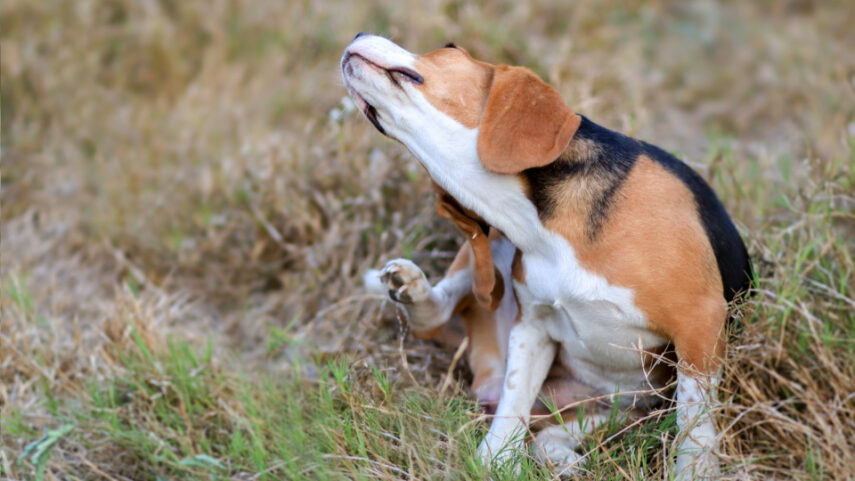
[486,353]
[449,311]
[428,308]
[700,347]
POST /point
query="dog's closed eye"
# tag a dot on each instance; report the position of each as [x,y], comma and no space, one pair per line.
[408,74]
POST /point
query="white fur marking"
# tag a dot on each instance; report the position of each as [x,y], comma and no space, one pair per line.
[530,349]
[557,444]
[698,440]
[430,307]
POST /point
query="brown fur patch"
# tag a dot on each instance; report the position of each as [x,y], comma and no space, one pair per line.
[654,244]
[525,123]
[582,150]
[517,268]
[485,353]
[455,83]
[487,285]
[584,177]
[429,335]
[462,260]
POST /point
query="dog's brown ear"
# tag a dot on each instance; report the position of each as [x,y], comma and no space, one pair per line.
[487,285]
[525,123]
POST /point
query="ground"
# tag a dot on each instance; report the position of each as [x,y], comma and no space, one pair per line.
[188,206]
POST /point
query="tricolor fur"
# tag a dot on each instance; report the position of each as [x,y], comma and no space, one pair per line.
[621,248]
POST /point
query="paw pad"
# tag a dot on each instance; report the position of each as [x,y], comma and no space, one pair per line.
[404,281]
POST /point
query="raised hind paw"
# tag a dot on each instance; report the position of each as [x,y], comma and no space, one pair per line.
[405,282]
[427,307]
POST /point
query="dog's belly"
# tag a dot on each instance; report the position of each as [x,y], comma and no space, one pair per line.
[600,331]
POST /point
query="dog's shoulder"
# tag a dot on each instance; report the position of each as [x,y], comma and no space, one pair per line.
[610,191]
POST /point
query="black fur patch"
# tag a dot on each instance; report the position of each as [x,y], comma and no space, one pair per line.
[606,166]
[606,169]
[730,252]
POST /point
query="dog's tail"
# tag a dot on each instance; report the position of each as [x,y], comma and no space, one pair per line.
[373,284]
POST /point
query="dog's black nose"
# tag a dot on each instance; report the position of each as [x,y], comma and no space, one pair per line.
[359,35]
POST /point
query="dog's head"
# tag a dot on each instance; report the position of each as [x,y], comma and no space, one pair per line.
[447,105]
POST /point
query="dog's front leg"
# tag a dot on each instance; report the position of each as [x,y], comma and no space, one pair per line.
[530,354]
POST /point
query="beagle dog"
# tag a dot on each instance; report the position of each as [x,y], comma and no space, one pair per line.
[620,249]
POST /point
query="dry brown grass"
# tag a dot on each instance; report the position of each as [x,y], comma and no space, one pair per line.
[171,173]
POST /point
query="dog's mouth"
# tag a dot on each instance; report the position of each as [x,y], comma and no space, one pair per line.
[393,73]
[371,114]
[367,109]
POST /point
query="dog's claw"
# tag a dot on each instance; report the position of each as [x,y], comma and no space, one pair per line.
[392,278]
[404,281]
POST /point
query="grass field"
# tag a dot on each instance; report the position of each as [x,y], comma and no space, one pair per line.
[188,208]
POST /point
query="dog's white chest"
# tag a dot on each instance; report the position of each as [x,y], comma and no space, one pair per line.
[596,324]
